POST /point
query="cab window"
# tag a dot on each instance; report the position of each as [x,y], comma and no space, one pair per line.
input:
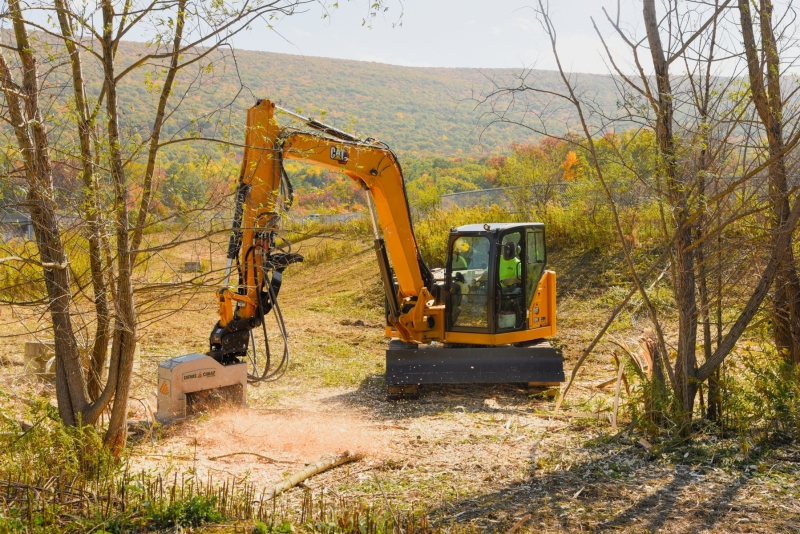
[510,274]
[469,261]
[535,258]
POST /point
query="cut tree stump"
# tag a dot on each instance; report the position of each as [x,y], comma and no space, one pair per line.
[40,359]
[191,267]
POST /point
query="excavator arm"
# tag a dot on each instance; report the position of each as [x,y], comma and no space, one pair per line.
[368,162]
[253,257]
[252,252]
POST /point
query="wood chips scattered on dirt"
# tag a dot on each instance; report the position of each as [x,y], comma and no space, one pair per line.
[486,455]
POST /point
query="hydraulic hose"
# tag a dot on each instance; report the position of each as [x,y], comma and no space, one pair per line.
[266,375]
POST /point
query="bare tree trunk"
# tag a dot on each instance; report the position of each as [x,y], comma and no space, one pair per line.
[32,138]
[125,321]
[768,103]
[91,210]
[714,390]
[702,94]
[685,386]
[702,286]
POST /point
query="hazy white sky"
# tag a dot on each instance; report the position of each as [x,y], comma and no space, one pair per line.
[450,33]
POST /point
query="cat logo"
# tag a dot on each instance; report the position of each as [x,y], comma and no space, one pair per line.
[164,389]
[339,154]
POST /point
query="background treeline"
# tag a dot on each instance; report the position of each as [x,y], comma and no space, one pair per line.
[416,110]
[427,115]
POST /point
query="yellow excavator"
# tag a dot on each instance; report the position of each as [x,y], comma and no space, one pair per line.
[484,318]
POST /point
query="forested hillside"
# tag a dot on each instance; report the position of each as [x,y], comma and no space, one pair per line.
[421,111]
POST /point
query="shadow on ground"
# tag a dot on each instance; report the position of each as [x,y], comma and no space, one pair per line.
[605,485]
[434,399]
[597,496]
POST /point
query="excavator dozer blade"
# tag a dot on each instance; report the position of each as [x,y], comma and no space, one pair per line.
[538,363]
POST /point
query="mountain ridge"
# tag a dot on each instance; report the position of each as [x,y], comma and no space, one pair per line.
[416,110]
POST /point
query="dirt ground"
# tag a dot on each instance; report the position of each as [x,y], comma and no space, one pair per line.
[486,455]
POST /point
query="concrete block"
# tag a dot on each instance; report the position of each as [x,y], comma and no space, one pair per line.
[40,359]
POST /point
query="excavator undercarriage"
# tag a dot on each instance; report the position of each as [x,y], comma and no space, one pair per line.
[409,366]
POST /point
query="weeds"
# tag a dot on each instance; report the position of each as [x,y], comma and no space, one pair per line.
[191,512]
[56,478]
[297,232]
[760,397]
[329,250]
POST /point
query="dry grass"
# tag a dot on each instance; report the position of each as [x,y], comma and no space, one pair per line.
[480,455]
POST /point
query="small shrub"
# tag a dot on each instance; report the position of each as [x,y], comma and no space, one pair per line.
[191,512]
[761,396]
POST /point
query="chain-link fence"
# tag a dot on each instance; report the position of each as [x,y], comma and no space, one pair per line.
[564,194]
[511,198]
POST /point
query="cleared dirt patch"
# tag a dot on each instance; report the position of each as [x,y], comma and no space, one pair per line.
[294,435]
[261,444]
[486,455]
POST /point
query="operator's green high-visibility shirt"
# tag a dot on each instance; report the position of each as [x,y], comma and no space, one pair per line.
[510,269]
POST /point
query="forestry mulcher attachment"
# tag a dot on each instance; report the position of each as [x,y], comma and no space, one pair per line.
[484,318]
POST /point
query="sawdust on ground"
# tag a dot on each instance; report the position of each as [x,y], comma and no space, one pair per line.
[483,454]
[261,444]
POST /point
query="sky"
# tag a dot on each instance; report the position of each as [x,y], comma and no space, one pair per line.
[450,33]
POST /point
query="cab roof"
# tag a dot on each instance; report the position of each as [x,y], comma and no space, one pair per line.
[496,226]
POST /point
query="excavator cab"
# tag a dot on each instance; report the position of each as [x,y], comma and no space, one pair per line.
[491,274]
[499,306]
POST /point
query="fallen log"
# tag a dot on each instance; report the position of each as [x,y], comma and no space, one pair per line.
[518,525]
[267,458]
[311,470]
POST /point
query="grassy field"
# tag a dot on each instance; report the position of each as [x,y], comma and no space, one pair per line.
[479,457]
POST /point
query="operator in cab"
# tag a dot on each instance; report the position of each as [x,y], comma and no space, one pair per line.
[510,266]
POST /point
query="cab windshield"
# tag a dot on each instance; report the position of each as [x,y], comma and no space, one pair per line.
[468,295]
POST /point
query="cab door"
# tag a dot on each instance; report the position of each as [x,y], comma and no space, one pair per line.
[469,269]
[510,294]
[535,261]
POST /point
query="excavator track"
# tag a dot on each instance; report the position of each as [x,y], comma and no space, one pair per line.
[409,366]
